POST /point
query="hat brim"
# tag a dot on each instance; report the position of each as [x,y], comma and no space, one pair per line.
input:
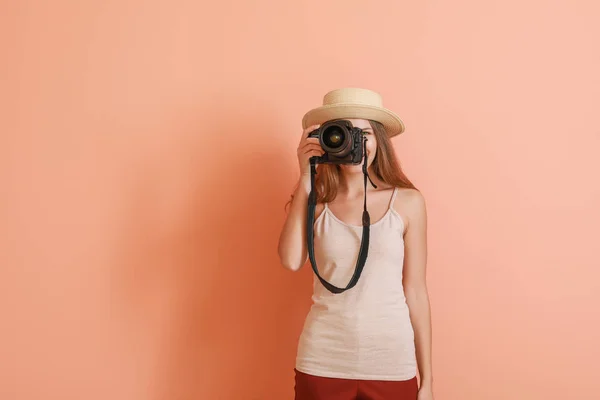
[392,123]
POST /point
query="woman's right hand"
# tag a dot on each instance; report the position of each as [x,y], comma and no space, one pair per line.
[292,246]
[307,148]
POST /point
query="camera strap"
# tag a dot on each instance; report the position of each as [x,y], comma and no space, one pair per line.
[366,222]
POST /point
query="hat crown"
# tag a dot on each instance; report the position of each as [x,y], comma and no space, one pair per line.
[354,103]
[353,96]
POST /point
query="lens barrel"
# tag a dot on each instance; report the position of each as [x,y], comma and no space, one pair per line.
[335,139]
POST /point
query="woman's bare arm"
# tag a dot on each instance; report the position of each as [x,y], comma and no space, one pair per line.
[415,283]
[292,246]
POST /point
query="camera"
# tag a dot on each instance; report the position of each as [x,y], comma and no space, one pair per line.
[341,141]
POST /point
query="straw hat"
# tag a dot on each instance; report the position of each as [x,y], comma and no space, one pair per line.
[347,103]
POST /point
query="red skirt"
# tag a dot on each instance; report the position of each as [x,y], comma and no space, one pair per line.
[310,387]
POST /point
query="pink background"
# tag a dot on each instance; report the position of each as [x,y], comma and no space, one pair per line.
[148,147]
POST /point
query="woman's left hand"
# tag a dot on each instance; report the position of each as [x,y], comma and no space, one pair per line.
[425,393]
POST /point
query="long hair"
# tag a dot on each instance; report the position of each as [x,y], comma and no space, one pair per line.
[385,167]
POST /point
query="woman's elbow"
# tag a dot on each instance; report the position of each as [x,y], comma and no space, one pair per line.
[416,293]
[290,266]
[290,263]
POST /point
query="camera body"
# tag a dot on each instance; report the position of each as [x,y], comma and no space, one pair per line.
[342,142]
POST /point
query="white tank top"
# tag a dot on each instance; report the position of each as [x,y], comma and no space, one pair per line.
[364,332]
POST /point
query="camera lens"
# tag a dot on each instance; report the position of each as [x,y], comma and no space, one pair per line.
[336,140]
[333,137]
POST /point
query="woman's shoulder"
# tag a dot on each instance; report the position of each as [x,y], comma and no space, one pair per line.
[409,193]
[409,203]
[408,197]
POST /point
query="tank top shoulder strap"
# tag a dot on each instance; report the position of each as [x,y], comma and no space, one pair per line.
[393,198]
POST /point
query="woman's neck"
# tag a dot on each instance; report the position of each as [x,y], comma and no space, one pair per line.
[352,186]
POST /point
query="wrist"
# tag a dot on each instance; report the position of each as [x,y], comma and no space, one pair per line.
[426,383]
[304,182]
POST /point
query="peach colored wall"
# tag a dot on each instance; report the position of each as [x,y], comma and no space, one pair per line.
[148,148]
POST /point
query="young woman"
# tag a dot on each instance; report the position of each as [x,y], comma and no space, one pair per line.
[370,341]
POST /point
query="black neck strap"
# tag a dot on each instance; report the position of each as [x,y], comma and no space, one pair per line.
[366,222]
